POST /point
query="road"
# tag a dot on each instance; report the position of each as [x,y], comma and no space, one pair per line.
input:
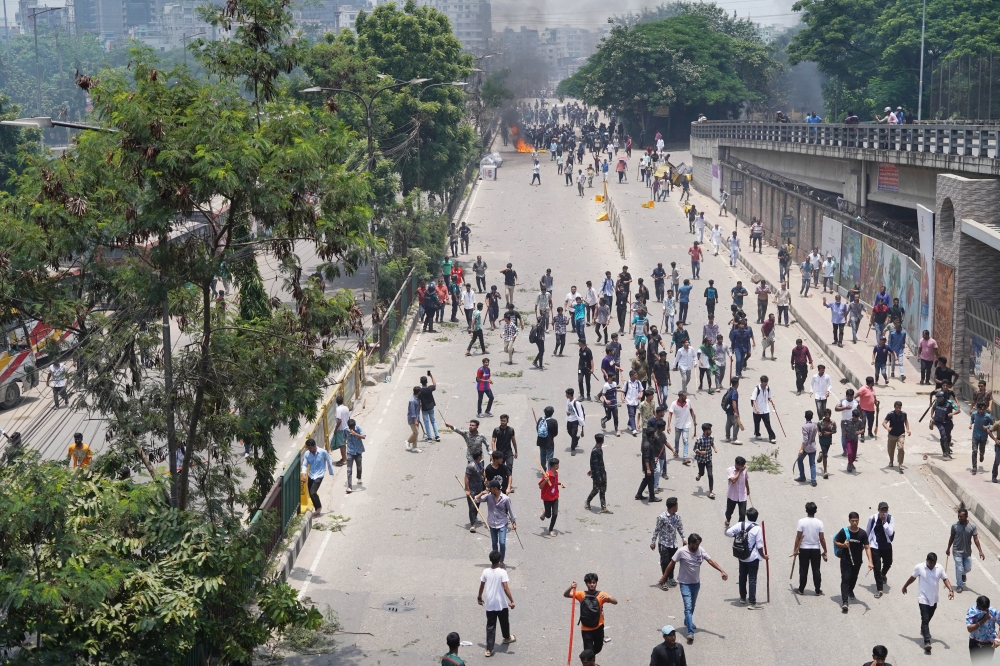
[407,533]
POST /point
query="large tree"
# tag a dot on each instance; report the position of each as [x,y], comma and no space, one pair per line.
[871,49]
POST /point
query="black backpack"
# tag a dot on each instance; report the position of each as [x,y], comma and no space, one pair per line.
[741,544]
[727,400]
[533,335]
[590,610]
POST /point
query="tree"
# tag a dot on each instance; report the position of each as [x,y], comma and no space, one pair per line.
[15,143]
[417,42]
[871,49]
[96,569]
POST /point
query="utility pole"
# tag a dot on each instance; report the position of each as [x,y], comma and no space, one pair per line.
[38,75]
[920,93]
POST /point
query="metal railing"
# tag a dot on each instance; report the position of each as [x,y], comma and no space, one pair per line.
[926,137]
[395,315]
[615,221]
[893,233]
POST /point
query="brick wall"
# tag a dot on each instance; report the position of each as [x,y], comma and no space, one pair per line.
[702,174]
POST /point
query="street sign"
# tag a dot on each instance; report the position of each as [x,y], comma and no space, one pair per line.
[788,223]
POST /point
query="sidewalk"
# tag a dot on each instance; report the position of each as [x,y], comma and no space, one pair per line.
[853,361]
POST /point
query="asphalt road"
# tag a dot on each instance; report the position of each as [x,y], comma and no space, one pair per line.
[407,535]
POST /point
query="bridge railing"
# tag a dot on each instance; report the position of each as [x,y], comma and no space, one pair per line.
[947,139]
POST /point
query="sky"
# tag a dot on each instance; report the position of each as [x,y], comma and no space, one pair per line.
[538,14]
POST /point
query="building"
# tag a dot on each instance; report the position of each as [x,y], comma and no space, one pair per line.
[767,33]
[329,15]
[565,49]
[471,21]
[54,18]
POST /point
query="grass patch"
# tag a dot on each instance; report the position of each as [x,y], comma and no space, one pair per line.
[765,462]
[333,524]
[509,375]
[443,338]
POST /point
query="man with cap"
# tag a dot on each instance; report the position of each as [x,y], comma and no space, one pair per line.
[881,529]
[669,652]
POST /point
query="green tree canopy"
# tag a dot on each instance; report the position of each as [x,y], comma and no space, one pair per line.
[871,48]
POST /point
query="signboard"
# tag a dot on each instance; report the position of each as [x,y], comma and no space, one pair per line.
[832,233]
[944,307]
[925,228]
[888,177]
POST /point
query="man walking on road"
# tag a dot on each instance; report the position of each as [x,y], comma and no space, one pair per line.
[499,513]
[928,573]
[475,484]
[880,529]
[838,318]
[505,443]
[669,527]
[669,652]
[820,387]
[898,428]
[591,612]
[809,539]
[413,420]
[648,454]
[760,398]
[509,282]
[689,561]
[963,535]
[355,449]
[479,268]
[427,405]
[484,384]
[315,465]
[598,474]
[849,544]
[748,547]
[509,333]
[475,442]
[343,415]
[801,362]
[495,584]
[738,489]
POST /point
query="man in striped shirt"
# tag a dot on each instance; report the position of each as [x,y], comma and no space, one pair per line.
[498,510]
[668,527]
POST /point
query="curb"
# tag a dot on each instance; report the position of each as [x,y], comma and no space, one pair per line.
[985,517]
[817,340]
[378,374]
[286,561]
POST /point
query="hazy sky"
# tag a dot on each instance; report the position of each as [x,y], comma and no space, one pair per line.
[539,14]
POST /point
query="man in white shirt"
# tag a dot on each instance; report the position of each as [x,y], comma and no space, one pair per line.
[829,266]
[468,304]
[343,415]
[816,259]
[633,394]
[749,565]
[575,420]
[571,298]
[57,380]
[315,465]
[684,361]
[543,307]
[716,238]
[495,597]
[846,409]
[820,387]
[760,399]
[881,528]
[928,573]
[681,416]
[809,538]
[608,286]
[591,299]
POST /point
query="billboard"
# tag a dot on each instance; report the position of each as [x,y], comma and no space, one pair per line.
[925,227]
[871,268]
[832,234]
[888,177]
[893,272]
[850,259]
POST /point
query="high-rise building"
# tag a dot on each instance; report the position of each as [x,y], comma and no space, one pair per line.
[471,21]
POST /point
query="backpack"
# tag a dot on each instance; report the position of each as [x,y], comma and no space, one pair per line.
[578,408]
[727,400]
[533,334]
[590,610]
[837,550]
[543,428]
[741,544]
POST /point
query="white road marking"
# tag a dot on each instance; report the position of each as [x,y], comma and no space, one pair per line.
[312,569]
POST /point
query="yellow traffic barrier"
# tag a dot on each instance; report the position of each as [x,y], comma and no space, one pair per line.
[648,204]
[598,198]
[603,217]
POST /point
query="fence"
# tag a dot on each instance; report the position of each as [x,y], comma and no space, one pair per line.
[927,137]
[615,221]
[964,87]
[394,316]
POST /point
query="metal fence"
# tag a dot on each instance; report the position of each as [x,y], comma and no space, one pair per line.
[394,316]
[927,137]
[615,221]
[964,86]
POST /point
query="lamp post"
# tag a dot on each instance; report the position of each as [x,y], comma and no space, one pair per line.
[920,93]
[38,76]
[367,103]
[184,38]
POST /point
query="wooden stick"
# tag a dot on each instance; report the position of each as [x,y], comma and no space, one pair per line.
[778,417]
[794,559]
[469,495]
[572,622]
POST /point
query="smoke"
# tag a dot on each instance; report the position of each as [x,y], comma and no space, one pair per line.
[594,14]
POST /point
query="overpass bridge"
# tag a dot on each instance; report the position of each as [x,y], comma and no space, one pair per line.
[913,207]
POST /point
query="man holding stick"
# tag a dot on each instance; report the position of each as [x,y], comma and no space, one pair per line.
[749,549]
[475,484]
[499,510]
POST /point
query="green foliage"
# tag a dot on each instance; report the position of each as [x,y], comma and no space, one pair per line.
[685,62]
[871,49]
[765,462]
[494,90]
[740,29]
[99,570]
[15,143]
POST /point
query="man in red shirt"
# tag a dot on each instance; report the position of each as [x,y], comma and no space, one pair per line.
[801,361]
[442,294]
[868,404]
[483,384]
[457,274]
[696,254]
[421,290]
[549,485]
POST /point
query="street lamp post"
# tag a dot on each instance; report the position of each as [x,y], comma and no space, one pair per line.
[38,75]
[367,103]
[920,93]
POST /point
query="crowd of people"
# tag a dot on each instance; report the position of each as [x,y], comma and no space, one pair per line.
[653,378]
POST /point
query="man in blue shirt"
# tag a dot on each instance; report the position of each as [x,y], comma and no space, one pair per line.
[711,298]
[733,411]
[897,343]
[315,462]
[742,340]
[580,318]
[355,447]
[739,292]
[882,297]
[812,118]
[980,424]
[880,357]
[838,317]
[683,299]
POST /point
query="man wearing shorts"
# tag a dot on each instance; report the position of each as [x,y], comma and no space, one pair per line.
[898,427]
